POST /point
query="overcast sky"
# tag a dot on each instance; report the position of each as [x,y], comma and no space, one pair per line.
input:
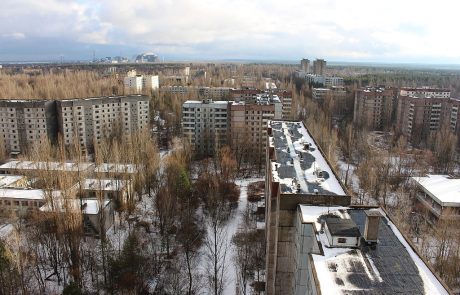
[338,30]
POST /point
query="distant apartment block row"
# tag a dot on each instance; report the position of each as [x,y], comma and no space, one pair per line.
[316,74]
[228,93]
[28,122]
[210,124]
[417,111]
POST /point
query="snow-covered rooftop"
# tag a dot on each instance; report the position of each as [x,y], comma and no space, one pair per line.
[442,188]
[28,194]
[222,102]
[58,166]
[389,267]
[115,168]
[10,180]
[90,206]
[103,184]
[300,167]
[266,98]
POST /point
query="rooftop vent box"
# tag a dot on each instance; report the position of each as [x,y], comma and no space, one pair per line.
[342,232]
[371,226]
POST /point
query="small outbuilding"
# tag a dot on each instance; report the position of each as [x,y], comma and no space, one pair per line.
[342,232]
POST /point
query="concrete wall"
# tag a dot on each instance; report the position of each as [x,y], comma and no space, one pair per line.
[305,245]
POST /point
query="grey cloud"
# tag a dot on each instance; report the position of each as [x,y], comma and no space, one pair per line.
[276,29]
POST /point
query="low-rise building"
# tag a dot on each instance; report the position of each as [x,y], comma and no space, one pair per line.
[98,217]
[20,202]
[17,167]
[106,189]
[437,197]
[14,181]
[116,171]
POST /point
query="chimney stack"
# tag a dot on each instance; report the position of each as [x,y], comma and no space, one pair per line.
[371,226]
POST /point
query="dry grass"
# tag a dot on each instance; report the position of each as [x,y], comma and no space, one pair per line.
[62,85]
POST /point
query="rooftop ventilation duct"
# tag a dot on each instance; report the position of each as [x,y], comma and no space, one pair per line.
[371,226]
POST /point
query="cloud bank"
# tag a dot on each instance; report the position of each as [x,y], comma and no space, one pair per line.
[355,30]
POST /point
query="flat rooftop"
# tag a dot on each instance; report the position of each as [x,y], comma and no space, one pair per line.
[300,166]
[210,102]
[55,166]
[442,188]
[103,184]
[90,206]
[115,168]
[105,97]
[10,180]
[22,194]
[388,267]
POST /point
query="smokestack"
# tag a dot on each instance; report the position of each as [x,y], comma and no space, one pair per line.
[371,226]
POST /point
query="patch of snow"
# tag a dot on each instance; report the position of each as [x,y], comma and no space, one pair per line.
[378,277]
[5,230]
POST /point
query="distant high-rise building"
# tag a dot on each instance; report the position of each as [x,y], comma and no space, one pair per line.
[424,110]
[24,122]
[248,123]
[133,84]
[305,65]
[88,120]
[319,67]
[373,107]
[205,123]
[187,71]
[212,124]
[139,83]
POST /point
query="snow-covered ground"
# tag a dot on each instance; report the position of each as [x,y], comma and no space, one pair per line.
[352,180]
[231,228]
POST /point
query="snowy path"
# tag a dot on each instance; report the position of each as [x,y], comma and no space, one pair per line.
[231,228]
